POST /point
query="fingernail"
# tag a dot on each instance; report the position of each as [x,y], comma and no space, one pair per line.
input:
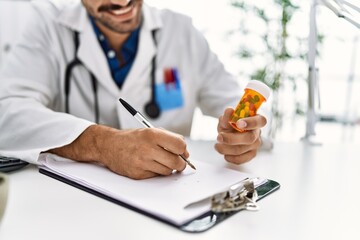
[241,124]
[220,138]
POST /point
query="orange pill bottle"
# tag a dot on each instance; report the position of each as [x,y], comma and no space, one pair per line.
[256,93]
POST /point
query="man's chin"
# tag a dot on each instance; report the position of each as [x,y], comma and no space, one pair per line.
[124,27]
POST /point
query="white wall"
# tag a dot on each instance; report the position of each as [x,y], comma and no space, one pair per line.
[13,15]
[215,19]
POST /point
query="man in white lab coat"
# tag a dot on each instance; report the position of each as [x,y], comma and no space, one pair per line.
[60,87]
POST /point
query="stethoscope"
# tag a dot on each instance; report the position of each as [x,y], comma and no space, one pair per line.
[152,108]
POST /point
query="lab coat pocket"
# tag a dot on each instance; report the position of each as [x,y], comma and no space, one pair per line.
[169,93]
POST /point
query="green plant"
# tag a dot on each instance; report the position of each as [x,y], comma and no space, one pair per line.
[266,47]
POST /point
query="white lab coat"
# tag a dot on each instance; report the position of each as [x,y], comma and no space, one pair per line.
[32,101]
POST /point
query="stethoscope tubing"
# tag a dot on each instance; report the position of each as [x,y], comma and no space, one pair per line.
[152,108]
[67,85]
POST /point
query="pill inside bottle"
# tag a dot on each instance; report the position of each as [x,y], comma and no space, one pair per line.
[256,93]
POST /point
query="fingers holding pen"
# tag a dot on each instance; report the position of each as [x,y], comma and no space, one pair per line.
[169,160]
[172,142]
[167,148]
[171,145]
[141,153]
[156,150]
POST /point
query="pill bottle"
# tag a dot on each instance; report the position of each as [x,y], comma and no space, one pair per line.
[256,93]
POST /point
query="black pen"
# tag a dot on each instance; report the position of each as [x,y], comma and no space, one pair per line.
[138,116]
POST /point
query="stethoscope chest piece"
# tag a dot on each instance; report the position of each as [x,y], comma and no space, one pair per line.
[152,109]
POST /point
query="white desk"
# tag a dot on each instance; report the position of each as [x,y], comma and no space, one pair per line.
[318,199]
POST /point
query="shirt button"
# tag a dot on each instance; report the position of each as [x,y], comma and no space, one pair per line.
[101,37]
[111,54]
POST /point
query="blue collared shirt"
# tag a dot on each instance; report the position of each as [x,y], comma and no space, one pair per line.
[119,69]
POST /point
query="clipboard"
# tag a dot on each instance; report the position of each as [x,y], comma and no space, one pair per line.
[196,224]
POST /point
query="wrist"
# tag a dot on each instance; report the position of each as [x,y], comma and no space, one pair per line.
[98,143]
[86,147]
[89,143]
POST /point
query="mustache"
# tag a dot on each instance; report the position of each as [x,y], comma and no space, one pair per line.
[110,7]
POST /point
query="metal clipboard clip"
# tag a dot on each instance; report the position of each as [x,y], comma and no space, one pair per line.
[240,196]
[243,195]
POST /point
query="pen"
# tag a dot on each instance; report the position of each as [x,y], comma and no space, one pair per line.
[138,116]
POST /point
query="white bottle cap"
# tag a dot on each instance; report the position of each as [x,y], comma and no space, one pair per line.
[259,87]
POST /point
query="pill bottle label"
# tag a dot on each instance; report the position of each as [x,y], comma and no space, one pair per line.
[255,94]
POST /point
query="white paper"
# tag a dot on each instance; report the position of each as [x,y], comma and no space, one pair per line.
[164,197]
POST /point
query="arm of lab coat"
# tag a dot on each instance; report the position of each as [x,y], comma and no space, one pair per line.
[218,88]
[29,85]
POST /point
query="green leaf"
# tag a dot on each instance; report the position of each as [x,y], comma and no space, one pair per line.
[245,53]
[261,14]
[259,74]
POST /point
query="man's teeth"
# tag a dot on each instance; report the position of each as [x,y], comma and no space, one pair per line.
[122,11]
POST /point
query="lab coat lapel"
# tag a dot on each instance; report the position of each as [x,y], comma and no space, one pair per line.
[93,58]
[139,75]
[90,53]
[140,70]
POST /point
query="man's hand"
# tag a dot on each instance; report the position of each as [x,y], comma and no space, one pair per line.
[239,147]
[137,153]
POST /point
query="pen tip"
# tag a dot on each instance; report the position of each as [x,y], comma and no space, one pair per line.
[187,161]
[192,166]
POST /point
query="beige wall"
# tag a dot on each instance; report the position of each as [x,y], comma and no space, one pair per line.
[3,194]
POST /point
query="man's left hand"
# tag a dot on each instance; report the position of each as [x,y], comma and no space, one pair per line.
[239,147]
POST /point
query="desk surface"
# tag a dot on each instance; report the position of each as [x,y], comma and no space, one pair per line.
[318,199]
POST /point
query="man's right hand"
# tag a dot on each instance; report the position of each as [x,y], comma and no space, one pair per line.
[136,153]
